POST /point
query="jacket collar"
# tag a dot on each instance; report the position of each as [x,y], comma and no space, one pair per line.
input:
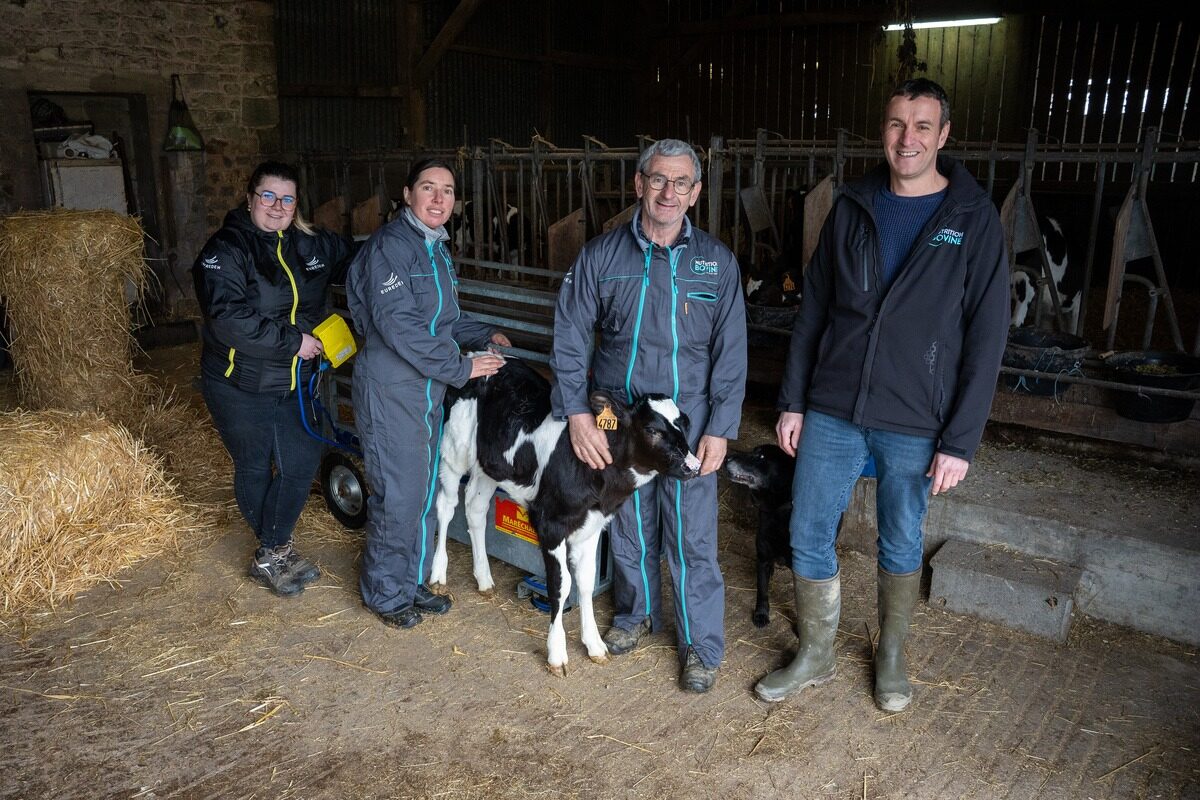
[963,190]
[635,225]
[239,218]
[437,234]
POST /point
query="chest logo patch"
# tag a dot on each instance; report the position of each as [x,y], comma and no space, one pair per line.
[946,236]
[211,263]
[702,267]
[314,264]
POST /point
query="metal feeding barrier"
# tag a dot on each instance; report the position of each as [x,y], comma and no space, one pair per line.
[756,192]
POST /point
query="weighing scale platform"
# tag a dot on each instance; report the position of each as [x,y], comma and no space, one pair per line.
[511,539]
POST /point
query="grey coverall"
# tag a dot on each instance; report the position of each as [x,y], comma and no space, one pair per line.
[671,321]
[402,296]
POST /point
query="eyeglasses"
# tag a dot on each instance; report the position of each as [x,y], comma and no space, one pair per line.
[682,185]
[268,199]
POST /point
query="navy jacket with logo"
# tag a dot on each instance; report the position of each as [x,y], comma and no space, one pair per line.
[402,291]
[921,357]
[666,320]
[259,290]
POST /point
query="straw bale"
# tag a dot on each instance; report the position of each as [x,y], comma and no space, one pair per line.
[64,275]
[80,499]
[187,442]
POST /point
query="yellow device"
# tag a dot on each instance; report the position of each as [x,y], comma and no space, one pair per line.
[336,340]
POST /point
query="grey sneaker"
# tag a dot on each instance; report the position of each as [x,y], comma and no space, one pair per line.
[303,570]
[695,676]
[269,567]
[621,641]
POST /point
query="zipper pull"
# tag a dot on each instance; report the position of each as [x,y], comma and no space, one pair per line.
[685,308]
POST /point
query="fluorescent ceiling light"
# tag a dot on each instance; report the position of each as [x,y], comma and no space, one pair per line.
[946,23]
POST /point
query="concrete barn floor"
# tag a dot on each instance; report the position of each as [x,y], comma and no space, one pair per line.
[187,680]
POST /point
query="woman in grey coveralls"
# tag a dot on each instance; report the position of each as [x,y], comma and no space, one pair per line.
[402,295]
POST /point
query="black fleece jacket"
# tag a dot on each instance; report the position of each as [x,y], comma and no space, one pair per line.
[922,356]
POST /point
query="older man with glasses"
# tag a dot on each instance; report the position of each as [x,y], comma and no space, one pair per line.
[664,303]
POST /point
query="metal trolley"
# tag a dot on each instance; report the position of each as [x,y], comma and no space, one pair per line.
[526,313]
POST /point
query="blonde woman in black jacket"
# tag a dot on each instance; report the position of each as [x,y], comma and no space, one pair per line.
[262,281]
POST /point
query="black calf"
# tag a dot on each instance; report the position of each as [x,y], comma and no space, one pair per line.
[767,471]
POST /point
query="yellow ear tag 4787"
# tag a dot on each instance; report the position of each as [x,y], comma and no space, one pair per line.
[606,420]
[789,285]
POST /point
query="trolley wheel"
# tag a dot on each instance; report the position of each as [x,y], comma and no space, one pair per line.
[344,489]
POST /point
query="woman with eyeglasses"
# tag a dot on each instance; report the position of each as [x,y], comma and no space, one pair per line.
[261,281]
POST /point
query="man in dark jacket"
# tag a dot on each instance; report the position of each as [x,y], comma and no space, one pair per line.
[894,355]
[664,303]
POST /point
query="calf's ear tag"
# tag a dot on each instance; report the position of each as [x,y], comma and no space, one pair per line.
[789,285]
[606,420]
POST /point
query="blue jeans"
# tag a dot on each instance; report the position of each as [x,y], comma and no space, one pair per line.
[829,460]
[261,430]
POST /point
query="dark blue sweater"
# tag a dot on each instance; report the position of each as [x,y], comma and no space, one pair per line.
[900,221]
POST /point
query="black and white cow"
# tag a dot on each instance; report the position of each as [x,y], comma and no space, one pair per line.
[1068,279]
[500,432]
[517,233]
[776,280]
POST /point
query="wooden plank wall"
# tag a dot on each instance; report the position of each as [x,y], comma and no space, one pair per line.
[723,68]
[1107,81]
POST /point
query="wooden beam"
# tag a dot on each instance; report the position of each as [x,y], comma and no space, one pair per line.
[450,31]
[414,23]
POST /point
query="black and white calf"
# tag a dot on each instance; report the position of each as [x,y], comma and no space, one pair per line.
[500,432]
[1067,273]
[515,231]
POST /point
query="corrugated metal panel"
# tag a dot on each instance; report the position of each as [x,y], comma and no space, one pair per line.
[1105,81]
[489,97]
[594,103]
[345,47]
[336,124]
[1073,78]
[348,43]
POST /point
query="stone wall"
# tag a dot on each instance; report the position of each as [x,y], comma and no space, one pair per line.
[223,51]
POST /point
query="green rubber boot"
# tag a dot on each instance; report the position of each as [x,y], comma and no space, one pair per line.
[897,596]
[818,608]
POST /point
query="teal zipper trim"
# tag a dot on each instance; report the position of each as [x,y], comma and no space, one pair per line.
[438,284]
[434,459]
[687,628]
[637,511]
[637,327]
[673,256]
[450,275]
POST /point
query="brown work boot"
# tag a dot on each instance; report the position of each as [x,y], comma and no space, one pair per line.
[695,676]
[620,641]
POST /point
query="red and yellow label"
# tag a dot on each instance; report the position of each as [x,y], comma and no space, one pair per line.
[513,519]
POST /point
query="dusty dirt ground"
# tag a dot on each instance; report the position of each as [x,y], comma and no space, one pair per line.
[186,680]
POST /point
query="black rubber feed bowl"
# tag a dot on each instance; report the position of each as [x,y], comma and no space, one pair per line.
[780,317]
[1159,370]
[1044,351]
